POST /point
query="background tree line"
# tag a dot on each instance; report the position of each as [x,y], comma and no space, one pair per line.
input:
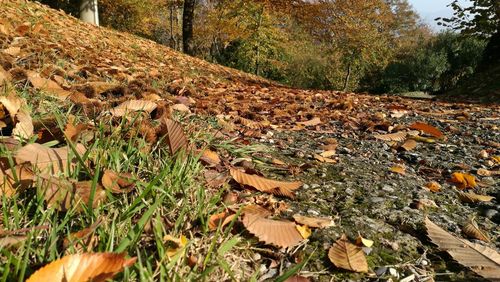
[363,45]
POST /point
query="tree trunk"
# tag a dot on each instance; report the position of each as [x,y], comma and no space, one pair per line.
[491,54]
[89,12]
[347,77]
[187,26]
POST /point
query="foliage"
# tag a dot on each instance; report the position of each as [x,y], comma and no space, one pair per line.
[435,66]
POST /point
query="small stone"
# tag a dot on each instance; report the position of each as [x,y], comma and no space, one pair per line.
[315,185]
[306,186]
[490,213]
[393,272]
[380,270]
[313,212]
[349,191]
[388,188]
[408,278]
[424,262]
[377,200]
[367,250]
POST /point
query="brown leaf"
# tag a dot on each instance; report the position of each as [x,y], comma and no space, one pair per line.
[83,239]
[463,180]
[48,160]
[265,185]
[316,222]
[398,136]
[324,159]
[72,132]
[429,129]
[279,233]
[215,219]
[480,259]
[10,241]
[46,85]
[175,135]
[64,195]
[409,145]
[256,210]
[433,186]
[181,108]
[117,182]
[15,179]
[215,179]
[313,122]
[210,158]
[348,256]
[131,106]
[83,267]
[298,278]
[473,231]
[398,169]
[471,197]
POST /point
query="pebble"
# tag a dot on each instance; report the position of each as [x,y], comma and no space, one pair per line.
[408,278]
[377,199]
[388,188]
[349,191]
[306,186]
[313,212]
[380,270]
[393,272]
[424,262]
[490,213]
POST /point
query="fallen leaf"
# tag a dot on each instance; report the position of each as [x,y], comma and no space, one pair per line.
[215,219]
[315,222]
[117,182]
[472,230]
[421,204]
[398,136]
[64,195]
[280,233]
[83,267]
[11,241]
[313,122]
[72,132]
[324,160]
[398,169]
[210,158]
[265,185]
[256,210]
[463,180]
[278,162]
[298,278]
[131,106]
[175,245]
[47,160]
[83,240]
[175,135]
[348,256]
[304,231]
[181,108]
[485,172]
[409,145]
[46,85]
[215,179]
[360,241]
[15,179]
[480,259]
[327,154]
[429,129]
[471,197]
[433,186]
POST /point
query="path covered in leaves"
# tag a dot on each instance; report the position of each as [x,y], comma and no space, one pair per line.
[341,186]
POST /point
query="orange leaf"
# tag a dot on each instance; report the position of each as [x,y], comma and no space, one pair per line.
[83,267]
[210,158]
[265,185]
[280,233]
[433,186]
[398,169]
[463,180]
[429,129]
[117,182]
[215,219]
[313,122]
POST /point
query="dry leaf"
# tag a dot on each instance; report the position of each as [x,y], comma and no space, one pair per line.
[429,129]
[485,172]
[175,245]
[324,160]
[10,241]
[15,179]
[175,135]
[64,195]
[398,169]
[83,239]
[72,132]
[315,222]
[463,180]
[131,106]
[409,145]
[256,210]
[360,241]
[215,179]
[348,256]
[278,162]
[473,231]
[265,185]
[210,158]
[329,153]
[313,122]
[181,108]
[471,197]
[298,278]
[215,219]
[117,182]
[304,231]
[433,186]
[83,267]
[46,85]
[480,259]
[249,123]
[398,136]
[279,233]
[47,160]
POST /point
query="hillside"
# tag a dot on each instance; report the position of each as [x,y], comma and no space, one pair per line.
[191,171]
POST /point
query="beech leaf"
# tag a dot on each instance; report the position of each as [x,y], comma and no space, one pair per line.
[346,255]
[429,129]
[83,267]
[265,185]
[315,222]
[480,259]
[280,233]
[175,135]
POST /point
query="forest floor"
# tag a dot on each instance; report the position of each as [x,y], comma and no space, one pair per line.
[374,166]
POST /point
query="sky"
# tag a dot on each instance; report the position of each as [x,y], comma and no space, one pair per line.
[431,9]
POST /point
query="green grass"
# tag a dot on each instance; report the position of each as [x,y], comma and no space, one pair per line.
[170,198]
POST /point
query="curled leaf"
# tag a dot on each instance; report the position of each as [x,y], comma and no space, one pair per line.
[265,185]
[463,180]
[471,197]
[315,222]
[473,231]
[429,129]
[280,233]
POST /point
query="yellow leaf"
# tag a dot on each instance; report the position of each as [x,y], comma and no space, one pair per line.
[433,186]
[176,244]
[398,169]
[463,181]
[360,241]
[304,231]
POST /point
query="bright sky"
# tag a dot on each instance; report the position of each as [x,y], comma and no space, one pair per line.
[431,9]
